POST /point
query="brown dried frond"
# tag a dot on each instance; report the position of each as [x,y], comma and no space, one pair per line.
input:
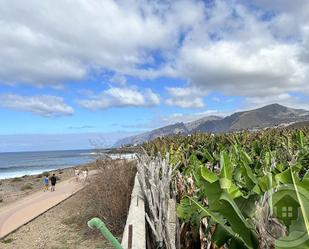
[269,228]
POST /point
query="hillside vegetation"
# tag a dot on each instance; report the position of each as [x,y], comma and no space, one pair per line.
[265,117]
[240,190]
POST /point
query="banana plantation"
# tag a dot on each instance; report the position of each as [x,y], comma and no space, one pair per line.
[239,190]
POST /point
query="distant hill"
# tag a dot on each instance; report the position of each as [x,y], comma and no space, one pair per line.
[267,116]
[194,124]
[150,135]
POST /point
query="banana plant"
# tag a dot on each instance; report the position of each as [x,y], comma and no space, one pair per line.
[229,174]
[298,189]
[227,208]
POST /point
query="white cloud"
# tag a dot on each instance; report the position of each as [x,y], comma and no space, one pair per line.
[290,17]
[153,98]
[118,79]
[45,42]
[185,97]
[227,47]
[216,99]
[245,57]
[236,68]
[44,105]
[121,97]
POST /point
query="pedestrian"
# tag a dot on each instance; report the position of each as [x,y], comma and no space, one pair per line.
[46,183]
[76,174]
[85,175]
[53,181]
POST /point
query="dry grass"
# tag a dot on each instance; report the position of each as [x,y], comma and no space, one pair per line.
[27,186]
[107,196]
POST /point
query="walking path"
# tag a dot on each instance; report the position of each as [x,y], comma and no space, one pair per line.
[26,209]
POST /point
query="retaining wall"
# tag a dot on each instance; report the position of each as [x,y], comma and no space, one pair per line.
[134,236]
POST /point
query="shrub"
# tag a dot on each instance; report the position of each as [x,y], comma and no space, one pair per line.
[7,241]
[26,187]
[46,173]
[17,179]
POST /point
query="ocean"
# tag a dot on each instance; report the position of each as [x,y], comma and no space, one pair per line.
[14,164]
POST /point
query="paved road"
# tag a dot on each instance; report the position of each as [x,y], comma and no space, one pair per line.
[26,209]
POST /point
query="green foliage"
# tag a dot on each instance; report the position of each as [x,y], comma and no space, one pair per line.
[46,174]
[17,179]
[233,172]
[7,241]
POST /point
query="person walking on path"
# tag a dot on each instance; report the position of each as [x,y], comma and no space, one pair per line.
[85,175]
[46,183]
[53,181]
[77,175]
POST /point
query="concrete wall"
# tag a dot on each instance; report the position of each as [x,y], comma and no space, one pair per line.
[171,229]
[136,218]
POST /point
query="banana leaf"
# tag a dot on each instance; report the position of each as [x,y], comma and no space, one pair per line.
[298,236]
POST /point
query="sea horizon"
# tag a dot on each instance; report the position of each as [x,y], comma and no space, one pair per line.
[17,164]
[50,150]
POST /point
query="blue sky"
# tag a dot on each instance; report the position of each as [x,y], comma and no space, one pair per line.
[116,68]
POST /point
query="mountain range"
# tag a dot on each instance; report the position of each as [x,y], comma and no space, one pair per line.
[268,116]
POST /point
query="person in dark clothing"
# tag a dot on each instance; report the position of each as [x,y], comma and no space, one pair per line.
[53,181]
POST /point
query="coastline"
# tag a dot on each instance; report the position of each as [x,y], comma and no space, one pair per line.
[12,189]
[19,164]
[107,196]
